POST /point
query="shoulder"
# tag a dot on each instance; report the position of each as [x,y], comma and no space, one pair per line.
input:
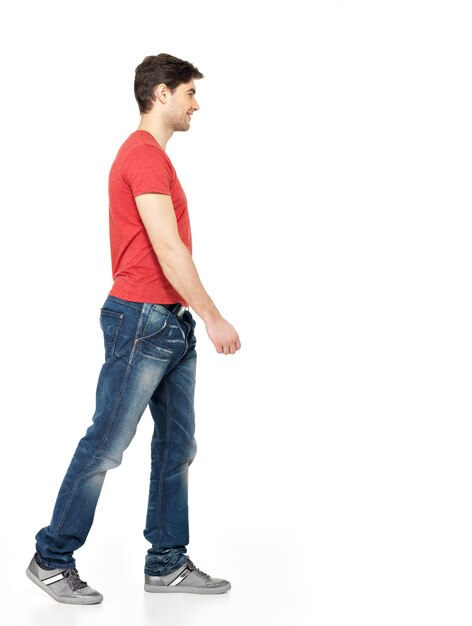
[142,145]
[146,156]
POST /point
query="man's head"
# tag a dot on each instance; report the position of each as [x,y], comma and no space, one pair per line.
[158,71]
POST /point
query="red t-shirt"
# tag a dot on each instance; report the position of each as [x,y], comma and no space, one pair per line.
[142,166]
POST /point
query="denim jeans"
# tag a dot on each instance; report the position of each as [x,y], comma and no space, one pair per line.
[150,360]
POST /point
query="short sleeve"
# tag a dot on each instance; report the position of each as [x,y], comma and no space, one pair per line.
[147,170]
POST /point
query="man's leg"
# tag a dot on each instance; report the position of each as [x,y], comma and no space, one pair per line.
[121,400]
[167,568]
[173,448]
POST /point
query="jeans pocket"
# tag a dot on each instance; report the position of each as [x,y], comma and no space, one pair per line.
[161,334]
[110,323]
[155,324]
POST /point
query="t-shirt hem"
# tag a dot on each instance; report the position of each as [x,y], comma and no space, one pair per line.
[144,298]
[140,192]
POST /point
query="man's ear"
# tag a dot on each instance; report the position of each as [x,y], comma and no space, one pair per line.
[161,93]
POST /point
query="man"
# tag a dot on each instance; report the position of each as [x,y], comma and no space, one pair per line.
[149,352]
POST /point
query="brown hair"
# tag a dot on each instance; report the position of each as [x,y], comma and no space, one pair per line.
[162,68]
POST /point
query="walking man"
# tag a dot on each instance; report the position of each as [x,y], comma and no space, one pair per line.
[150,353]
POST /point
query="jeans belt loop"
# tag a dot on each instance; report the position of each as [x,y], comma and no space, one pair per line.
[177,309]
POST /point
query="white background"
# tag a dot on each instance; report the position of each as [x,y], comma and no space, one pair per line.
[328,178]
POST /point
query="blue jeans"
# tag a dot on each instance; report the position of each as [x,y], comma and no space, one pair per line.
[150,360]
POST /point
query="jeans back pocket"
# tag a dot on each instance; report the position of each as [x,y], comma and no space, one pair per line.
[110,323]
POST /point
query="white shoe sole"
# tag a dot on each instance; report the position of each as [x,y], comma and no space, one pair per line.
[177,589]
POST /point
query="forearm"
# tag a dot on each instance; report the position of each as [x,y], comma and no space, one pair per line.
[179,269]
[157,213]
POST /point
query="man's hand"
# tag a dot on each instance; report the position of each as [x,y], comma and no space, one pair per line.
[223,335]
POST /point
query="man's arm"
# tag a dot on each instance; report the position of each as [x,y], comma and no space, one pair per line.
[157,212]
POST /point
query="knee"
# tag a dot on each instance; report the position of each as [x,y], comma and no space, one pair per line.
[106,459]
[192,452]
[110,462]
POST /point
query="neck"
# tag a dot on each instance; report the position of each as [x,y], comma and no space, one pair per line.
[156,128]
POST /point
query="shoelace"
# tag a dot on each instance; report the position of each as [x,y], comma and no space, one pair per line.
[73,578]
[192,567]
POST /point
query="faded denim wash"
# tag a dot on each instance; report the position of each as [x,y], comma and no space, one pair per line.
[150,360]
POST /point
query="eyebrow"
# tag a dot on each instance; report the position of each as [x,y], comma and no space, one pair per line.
[191,91]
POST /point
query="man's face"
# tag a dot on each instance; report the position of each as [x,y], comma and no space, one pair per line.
[182,104]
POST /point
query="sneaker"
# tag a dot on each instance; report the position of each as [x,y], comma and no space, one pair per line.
[186,579]
[64,585]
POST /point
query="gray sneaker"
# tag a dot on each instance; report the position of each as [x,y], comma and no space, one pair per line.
[186,579]
[64,585]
